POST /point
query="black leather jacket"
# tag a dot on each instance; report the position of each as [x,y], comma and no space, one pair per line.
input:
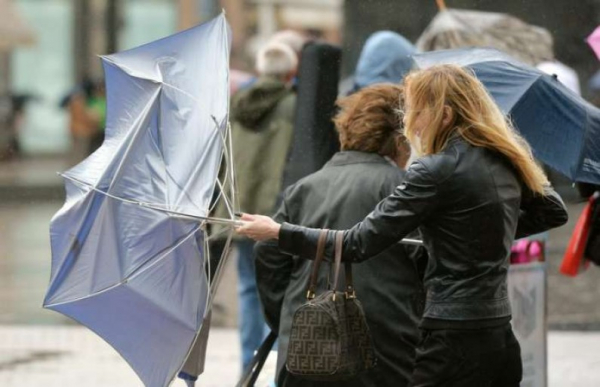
[469,205]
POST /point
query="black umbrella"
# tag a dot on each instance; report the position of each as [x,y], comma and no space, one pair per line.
[562,128]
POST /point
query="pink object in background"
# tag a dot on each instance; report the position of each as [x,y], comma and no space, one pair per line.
[518,253]
[594,41]
[525,251]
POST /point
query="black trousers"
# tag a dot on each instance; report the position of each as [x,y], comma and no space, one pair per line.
[488,357]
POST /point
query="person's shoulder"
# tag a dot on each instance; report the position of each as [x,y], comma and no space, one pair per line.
[287,105]
[386,172]
[437,167]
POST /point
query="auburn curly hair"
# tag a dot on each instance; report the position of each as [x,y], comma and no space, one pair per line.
[370,120]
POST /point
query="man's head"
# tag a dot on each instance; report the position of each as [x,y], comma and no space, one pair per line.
[277,60]
[369,121]
[294,39]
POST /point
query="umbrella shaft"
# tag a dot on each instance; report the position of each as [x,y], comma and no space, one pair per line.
[206,219]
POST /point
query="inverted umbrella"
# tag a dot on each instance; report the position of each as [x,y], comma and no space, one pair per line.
[562,128]
[458,28]
[128,246]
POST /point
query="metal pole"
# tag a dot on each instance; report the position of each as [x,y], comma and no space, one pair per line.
[81,38]
[112,25]
[4,72]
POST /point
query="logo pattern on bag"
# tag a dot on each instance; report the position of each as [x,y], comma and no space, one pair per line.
[329,339]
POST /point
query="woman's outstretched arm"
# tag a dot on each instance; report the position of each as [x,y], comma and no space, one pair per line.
[393,218]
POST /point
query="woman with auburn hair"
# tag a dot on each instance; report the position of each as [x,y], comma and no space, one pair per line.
[338,196]
[475,188]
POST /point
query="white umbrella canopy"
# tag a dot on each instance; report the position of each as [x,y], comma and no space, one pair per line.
[129,246]
[14,31]
[457,28]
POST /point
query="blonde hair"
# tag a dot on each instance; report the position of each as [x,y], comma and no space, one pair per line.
[475,117]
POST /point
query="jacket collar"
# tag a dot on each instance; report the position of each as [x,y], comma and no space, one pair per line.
[355,157]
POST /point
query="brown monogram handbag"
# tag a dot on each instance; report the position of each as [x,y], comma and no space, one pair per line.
[330,339]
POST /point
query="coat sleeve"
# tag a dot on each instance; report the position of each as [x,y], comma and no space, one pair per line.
[539,213]
[393,218]
[273,273]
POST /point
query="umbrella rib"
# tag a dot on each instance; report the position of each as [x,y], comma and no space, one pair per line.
[168,176]
[143,268]
[161,82]
[228,157]
[151,206]
[202,160]
[133,274]
[135,134]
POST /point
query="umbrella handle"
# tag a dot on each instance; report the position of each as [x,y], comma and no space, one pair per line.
[413,242]
[441,5]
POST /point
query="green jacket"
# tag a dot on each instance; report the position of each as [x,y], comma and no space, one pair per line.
[262,118]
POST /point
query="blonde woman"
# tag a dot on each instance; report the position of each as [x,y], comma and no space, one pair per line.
[473,190]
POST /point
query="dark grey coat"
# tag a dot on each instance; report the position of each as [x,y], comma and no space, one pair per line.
[338,196]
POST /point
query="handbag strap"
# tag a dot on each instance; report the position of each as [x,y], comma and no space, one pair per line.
[339,243]
[312,285]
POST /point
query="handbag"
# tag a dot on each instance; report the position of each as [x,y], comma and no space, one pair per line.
[329,338]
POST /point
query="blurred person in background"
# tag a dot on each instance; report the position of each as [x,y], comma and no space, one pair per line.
[293,39]
[385,57]
[365,171]
[12,115]
[96,106]
[262,117]
[85,118]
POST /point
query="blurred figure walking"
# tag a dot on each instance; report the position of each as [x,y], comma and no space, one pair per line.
[86,115]
[385,57]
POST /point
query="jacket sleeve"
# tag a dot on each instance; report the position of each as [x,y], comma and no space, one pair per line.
[273,273]
[539,213]
[393,218]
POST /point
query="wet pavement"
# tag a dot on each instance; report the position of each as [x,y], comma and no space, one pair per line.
[25,263]
[61,356]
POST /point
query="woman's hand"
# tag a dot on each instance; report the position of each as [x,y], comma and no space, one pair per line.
[258,227]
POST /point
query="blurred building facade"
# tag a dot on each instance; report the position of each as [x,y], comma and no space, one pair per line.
[70,34]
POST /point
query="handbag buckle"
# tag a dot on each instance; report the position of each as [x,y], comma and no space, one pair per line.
[350,293]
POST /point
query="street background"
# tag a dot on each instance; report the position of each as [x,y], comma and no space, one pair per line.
[43,348]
